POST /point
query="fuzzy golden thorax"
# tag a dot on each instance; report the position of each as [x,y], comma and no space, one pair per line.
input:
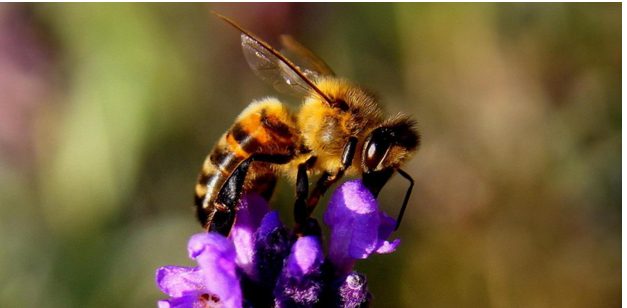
[326,129]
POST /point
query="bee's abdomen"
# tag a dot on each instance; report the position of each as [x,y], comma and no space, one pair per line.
[218,166]
[258,129]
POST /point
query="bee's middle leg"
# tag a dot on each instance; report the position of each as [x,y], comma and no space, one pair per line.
[304,225]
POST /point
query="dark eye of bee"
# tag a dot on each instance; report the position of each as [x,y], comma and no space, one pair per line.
[376,149]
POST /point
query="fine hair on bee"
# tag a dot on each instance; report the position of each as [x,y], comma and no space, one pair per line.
[338,130]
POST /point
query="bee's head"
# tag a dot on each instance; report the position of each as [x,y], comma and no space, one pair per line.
[390,144]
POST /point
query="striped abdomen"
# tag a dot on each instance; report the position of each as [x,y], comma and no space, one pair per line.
[264,127]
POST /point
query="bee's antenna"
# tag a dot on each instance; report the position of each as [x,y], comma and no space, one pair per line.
[407,195]
[277,54]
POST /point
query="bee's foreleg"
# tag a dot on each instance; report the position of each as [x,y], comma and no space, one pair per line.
[327,179]
[406,199]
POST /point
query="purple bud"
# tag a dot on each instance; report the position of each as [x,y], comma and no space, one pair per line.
[353,291]
[301,281]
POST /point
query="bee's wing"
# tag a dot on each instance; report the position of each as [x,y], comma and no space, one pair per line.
[274,67]
[308,62]
[267,66]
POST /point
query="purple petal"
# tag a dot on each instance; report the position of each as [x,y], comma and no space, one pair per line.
[177,280]
[388,247]
[301,281]
[251,210]
[212,243]
[188,301]
[385,230]
[215,255]
[358,227]
[387,225]
[193,300]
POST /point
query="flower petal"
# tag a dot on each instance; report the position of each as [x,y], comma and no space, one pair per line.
[212,243]
[251,210]
[215,255]
[188,301]
[388,247]
[358,227]
[385,230]
[177,280]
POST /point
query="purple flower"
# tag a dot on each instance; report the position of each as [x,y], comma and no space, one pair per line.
[263,264]
[213,282]
[358,227]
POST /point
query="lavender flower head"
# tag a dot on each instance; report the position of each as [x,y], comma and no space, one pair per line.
[262,263]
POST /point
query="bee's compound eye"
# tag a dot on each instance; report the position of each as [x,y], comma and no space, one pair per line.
[375,153]
[372,149]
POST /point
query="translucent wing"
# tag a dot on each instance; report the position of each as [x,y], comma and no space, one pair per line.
[274,67]
[308,62]
[271,69]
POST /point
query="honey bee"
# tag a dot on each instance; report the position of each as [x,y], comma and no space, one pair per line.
[338,130]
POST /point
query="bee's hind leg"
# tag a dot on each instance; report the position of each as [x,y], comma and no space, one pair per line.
[231,192]
[227,200]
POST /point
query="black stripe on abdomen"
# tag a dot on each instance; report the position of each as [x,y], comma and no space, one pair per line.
[245,139]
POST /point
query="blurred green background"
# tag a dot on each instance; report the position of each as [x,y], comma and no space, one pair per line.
[108,110]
